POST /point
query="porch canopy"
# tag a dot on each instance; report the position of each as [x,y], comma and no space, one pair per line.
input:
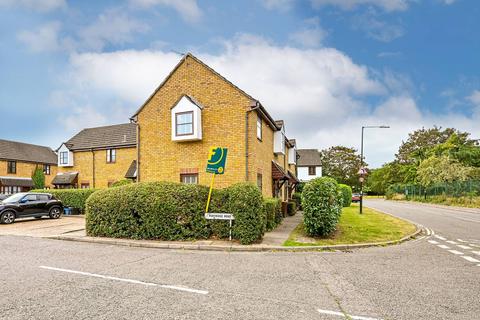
[16,182]
[65,178]
[278,173]
[132,170]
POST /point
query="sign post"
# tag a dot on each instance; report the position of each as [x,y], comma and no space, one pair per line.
[217,158]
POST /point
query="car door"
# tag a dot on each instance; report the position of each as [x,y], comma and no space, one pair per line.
[28,205]
[42,203]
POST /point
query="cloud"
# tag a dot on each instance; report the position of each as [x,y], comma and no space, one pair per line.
[389,54]
[475,98]
[35,5]
[43,39]
[188,9]
[111,27]
[311,36]
[280,5]
[387,5]
[376,28]
[322,94]
[449,2]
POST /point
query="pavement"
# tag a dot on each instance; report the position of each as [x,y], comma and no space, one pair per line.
[44,227]
[51,279]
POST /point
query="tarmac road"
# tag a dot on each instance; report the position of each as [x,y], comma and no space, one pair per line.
[52,279]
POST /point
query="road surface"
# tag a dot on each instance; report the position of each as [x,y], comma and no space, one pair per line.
[52,279]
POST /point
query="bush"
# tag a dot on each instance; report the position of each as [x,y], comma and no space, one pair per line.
[75,198]
[174,211]
[271,208]
[38,178]
[291,208]
[322,206]
[297,197]
[122,182]
[346,194]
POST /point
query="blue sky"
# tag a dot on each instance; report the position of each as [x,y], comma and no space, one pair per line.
[326,67]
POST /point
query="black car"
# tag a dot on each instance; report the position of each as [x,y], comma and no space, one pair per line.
[28,204]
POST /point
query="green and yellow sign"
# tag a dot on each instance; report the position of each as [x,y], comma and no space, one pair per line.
[217,157]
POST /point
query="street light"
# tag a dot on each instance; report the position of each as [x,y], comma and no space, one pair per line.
[362,173]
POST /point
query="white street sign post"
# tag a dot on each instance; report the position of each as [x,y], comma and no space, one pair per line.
[221,216]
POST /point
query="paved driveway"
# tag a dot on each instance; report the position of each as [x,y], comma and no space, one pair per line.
[44,227]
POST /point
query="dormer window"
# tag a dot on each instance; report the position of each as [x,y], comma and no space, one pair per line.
[64,157]
[186,120]
[184,123]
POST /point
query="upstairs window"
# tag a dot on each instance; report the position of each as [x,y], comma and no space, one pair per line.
[312,171]
[184,123]
[111,155]
[64,157]
[12,167]
[259,127]
[191,178]
[46,169]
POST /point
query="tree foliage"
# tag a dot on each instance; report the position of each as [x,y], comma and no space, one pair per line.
[342,164]
[38,177]
[442,169]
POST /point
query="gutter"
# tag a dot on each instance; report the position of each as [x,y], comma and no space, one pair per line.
[134,120]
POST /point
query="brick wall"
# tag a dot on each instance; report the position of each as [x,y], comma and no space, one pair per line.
[25,170]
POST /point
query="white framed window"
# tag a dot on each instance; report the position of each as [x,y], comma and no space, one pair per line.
[184,123]
[259,127]
[190,178]
[46,169]
[64,157]
[111,155]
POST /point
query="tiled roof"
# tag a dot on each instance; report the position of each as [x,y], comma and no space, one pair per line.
[308,157]
[132,170]
[119,135]
[65,178]
[15,181]
[12,150]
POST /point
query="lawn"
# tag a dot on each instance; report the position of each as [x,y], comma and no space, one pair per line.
[371,226]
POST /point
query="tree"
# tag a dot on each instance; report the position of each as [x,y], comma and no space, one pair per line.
[442,169]
[342,164]
[422,141]
[38,177]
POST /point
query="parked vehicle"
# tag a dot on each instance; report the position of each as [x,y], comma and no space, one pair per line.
[3,196]
[28,204]
[356,197]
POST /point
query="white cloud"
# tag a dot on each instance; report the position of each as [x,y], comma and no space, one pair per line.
[449,2]
[35,5]
[475,97]
[188,9]
[376,28]
[387,5]
[280,5]
[309,37]
[323,95]
[113,26]
[82,117]
[44,38]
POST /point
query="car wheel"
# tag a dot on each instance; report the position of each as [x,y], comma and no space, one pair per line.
[7,217]
[55,213]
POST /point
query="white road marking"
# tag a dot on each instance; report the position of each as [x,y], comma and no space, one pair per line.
[440,237]
[443,246]
[88,274]
[451,242]
[476,252]
[433,241]
[470,259]
[455,252]
[464,247]
[341,314]
[460,240]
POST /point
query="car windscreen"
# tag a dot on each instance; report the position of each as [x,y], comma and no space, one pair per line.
[14,198]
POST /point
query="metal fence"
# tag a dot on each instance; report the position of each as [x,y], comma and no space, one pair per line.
[470,188]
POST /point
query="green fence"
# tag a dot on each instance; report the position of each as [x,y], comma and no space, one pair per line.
[468,188]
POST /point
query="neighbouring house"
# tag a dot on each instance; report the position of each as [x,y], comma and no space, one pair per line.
[196,108]
[19,160]
[97,157]
[309,164]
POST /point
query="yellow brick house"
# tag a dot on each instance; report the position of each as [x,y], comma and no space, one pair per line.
[196,108]
[97,157]
[19,160]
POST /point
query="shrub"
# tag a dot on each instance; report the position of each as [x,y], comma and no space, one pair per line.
[297,197]
[38,178]
[122,182]
[346,194]
[322,206]
[174,211]
[74,198]
[291,208]
[271,208]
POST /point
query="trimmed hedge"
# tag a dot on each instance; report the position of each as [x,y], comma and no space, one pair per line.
[291,208]
[174,211]
[322,206]
[297,197]
[272,212]
[75,198]
[120,183]
[346,194]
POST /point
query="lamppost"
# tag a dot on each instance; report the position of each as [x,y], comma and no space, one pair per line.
[362,171]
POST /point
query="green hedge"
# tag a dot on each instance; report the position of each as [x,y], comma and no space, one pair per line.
[297,197]
[322,206]
[122,182]
[174,211]
[75,198]
[291,208]
[346,194]
[272,212]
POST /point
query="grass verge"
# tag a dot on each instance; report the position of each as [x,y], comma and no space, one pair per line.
[371,226]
